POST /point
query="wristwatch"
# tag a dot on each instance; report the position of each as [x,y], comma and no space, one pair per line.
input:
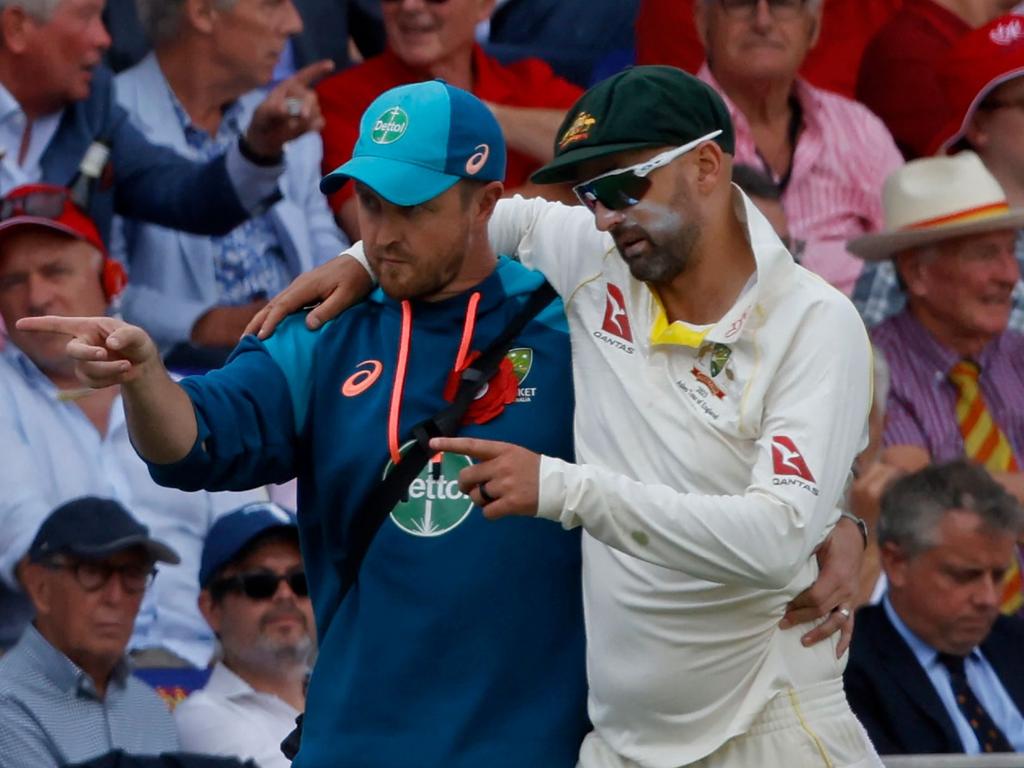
[859,523]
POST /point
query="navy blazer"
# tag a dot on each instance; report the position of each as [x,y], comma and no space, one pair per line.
[142,180]
[894,698]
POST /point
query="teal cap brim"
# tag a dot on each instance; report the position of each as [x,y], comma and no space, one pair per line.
[397,181]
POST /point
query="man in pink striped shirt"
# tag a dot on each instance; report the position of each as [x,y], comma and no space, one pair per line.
[829,155]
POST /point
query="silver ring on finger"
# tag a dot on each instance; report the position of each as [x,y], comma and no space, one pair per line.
[843,611]
[293,106]
[485,495]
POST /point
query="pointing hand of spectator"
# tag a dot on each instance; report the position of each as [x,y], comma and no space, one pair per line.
[106,351]
[290,110]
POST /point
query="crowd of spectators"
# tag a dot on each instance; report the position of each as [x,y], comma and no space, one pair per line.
[883,139]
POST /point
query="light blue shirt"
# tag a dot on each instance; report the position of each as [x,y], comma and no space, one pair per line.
[982,679]
[51,453]
[51,715]
[12,129]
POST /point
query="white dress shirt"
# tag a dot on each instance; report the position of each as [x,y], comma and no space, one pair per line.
[12,130]
[228,717]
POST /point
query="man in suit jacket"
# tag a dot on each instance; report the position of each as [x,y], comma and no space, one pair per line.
[934,668]
[196,93]
[56,101]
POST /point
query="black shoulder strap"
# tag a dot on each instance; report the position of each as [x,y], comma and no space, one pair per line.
[392,489]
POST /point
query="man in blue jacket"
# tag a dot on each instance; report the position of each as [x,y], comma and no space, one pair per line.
[56,101]
[460,644]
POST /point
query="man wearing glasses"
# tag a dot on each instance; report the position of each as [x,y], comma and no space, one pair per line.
[59,442]
[66,689]
[256,600]
[722,394]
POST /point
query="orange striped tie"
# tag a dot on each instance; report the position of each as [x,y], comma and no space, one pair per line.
[985,443]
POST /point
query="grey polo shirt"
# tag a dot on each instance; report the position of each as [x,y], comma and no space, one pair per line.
[50,714]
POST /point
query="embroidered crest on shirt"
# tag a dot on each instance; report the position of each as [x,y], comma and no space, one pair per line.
[616,330]
[522,363]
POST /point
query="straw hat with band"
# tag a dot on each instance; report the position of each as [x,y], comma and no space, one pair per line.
[934,199]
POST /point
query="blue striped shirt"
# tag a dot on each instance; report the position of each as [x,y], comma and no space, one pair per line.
[51,715]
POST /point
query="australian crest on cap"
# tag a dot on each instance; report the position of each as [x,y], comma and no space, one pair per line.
[579,130]
[390,126]
[1007,33]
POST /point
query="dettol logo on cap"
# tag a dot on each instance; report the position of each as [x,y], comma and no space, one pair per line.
[434,505]
[390,126]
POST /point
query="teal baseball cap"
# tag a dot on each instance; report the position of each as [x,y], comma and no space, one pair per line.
[416,141]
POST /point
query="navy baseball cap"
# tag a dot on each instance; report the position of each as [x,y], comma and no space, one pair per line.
[93,529]
[416,141]
[230,534]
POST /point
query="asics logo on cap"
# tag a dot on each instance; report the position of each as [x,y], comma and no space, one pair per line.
[390,126]
[478,160]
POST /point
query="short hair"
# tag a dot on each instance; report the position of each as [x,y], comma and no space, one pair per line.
[913,507]
[39,9]
[161,19]
[755,182]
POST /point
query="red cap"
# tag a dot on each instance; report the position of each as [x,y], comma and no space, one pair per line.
[978,62]
[49,206]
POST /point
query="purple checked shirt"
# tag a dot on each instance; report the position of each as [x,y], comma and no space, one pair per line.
[921,409]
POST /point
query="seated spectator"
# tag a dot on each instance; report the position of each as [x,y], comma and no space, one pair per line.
[957,374]
[898,79]
[57,103]
[330,29]
[935,668]
[982,76]
[66,689]
[827,154]
[58,441]
[576,37]
[762,189]
[256,600]
[666,34]
[428,40]
[196,94]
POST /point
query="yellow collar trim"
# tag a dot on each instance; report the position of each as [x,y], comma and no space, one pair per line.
[678,333]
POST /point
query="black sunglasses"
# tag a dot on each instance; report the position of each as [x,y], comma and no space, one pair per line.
[260,585]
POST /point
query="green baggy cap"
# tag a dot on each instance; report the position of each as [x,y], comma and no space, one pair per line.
[651,106]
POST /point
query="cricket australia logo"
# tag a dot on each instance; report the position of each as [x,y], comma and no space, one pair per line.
[522,361]
[433,505]
[390,126]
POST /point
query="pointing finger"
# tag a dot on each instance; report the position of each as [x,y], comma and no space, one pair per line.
[310,73]
[482,450]
[73,326]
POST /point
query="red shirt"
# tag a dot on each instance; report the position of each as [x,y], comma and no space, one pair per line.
[898,80]
[665,34]
[345,96]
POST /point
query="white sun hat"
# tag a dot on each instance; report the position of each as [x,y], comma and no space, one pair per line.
[934,199]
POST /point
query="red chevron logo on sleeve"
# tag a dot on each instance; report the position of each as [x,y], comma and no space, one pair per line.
[788,460]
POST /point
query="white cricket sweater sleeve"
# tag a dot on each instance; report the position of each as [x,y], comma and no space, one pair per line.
[816,403]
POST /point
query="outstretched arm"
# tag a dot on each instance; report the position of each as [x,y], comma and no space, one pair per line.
[109,352]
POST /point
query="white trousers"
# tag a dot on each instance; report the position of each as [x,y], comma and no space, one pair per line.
[811,727]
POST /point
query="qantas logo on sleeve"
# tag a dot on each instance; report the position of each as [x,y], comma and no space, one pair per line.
[616,321]
[788,460]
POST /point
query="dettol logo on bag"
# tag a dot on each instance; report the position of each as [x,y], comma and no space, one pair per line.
[434,504]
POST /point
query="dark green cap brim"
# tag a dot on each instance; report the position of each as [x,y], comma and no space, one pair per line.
[563,167]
